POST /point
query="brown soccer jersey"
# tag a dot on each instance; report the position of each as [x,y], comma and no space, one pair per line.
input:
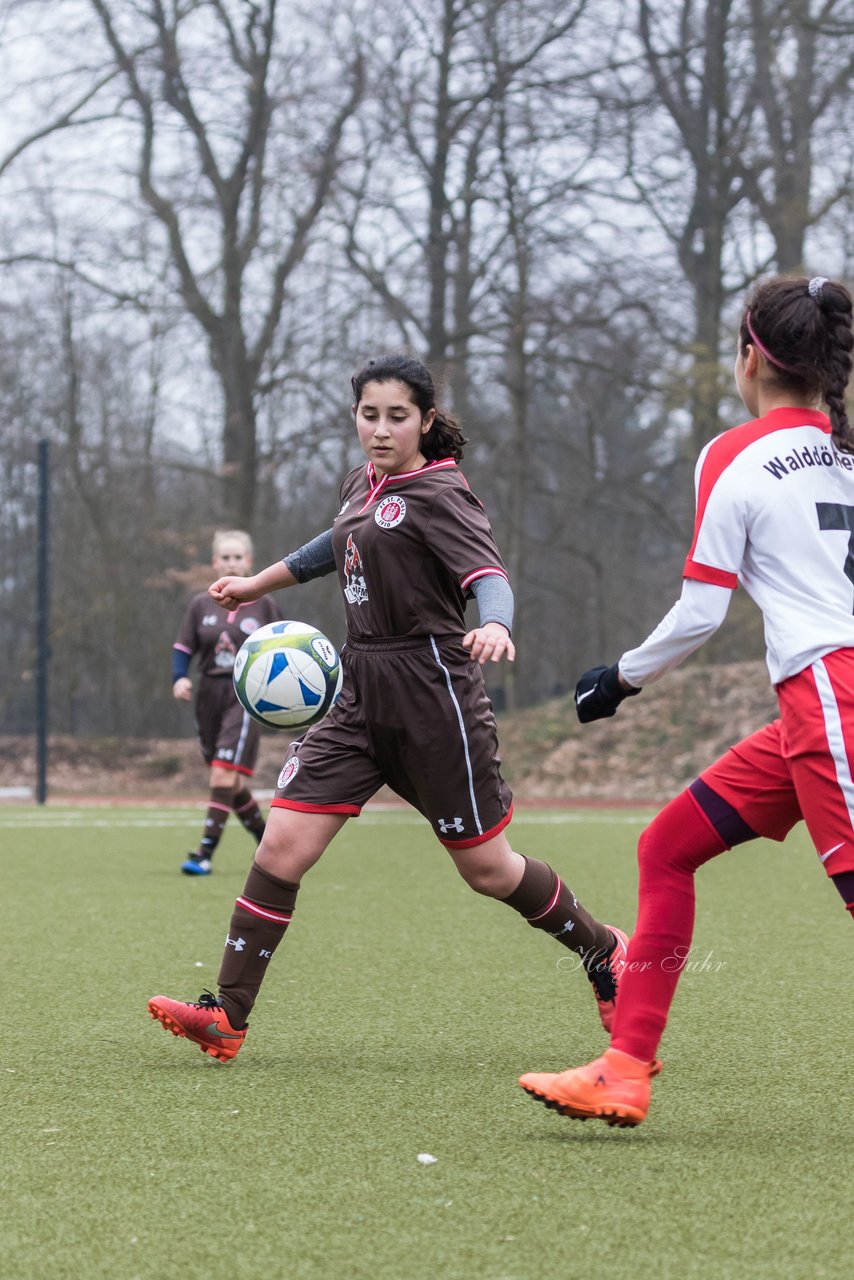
[214,634]
[408,547]
[413,712]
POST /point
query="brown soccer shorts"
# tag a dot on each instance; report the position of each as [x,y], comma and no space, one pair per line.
[413,714]
[228,736]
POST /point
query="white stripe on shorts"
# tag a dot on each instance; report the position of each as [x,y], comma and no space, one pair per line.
[835,737]
[461,723]
[241,742]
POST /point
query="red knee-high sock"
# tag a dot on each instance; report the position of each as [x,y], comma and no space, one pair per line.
[671,849]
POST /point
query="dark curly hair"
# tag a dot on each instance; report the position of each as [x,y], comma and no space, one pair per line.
[803,328]
[444,439]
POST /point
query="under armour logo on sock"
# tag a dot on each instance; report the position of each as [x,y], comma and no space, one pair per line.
[456,825]
[565,928]
[237,943]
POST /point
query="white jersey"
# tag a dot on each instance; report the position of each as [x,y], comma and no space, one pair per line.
[775,512]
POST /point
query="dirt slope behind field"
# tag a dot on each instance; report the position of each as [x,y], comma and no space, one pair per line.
[656,743]
[649,750]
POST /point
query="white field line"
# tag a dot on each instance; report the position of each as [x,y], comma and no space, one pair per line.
[84,819]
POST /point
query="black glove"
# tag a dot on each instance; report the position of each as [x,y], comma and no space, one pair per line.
[599,693]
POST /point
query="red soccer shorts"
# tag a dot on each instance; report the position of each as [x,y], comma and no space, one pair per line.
[800,766]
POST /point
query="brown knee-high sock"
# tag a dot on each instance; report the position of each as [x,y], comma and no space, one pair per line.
[219,807]
[261,915]
[246,807]
[547,904]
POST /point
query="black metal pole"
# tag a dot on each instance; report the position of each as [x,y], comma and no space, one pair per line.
[42,622]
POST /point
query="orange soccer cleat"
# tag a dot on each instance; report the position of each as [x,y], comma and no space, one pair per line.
[605,978]
[205,1022]
[613,1088]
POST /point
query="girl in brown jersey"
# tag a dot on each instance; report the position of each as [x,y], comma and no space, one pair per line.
[410,544]
[228,737]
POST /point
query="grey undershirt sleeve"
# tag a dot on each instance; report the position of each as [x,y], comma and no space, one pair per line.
[494,597]
[313,560]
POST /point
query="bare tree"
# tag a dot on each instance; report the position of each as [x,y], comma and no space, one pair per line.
[690,175]
[239,132]
[803,76]
[214,209]
[467,61]
[162,70]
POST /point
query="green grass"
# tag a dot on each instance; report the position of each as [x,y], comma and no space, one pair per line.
[396,1017]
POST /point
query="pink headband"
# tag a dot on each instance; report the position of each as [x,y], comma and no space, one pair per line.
[765,352]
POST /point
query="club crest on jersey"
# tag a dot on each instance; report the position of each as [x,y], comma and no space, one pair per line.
[390,512]
[248,625]
[290,769]
[225,652]
[355,587]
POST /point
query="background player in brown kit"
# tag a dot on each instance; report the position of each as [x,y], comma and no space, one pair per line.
[228,736]
[410,542]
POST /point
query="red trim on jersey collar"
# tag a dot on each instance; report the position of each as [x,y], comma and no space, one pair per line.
[439,465]
[376,487]
[724,450]
[791,416]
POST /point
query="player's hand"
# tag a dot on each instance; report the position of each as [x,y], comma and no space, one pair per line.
[490,643]
[229,592]
[599,692]
[182,689]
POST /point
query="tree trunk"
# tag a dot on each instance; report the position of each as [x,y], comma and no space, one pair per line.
[240,435]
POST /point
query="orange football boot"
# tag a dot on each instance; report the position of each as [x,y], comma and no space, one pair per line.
[205,1022]
[613,1088]
[605,978]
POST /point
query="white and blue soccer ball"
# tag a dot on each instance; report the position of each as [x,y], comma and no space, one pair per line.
[287,675]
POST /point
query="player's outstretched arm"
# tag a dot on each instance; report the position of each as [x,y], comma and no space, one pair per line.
[490,643]
[599,692]
[697,614]
[231,591]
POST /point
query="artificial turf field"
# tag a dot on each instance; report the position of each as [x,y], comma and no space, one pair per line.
[395,1019]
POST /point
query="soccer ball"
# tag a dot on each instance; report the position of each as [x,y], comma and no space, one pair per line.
[287,675]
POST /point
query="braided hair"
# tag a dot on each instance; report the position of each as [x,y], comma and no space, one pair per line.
[445,438]
[803,328]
